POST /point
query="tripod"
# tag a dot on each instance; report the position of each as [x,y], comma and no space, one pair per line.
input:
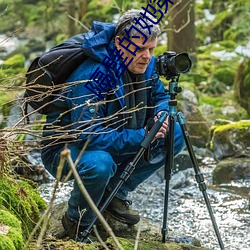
[173,90]
[169,163]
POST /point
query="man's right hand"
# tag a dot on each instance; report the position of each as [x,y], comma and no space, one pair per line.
[164,128]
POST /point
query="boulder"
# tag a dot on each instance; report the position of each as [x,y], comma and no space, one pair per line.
[231,139]
[231,169]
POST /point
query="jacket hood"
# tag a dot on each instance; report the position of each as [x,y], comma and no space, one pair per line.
[98,40]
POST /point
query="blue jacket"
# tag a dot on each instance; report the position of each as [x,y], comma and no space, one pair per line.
[107,131]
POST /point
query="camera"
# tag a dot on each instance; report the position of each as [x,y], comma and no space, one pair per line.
[171,65]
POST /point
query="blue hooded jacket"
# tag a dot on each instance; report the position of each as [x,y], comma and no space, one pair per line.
[90,118]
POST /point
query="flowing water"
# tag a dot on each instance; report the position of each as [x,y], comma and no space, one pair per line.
[187,212]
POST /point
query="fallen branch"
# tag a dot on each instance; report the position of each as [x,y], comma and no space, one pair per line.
[66,154]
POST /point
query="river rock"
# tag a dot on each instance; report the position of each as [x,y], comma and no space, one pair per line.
[197,125]
[232,139]
[231,169]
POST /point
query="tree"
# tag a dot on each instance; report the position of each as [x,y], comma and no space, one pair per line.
[181,32]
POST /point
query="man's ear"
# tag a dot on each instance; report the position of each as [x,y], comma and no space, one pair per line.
[117,42]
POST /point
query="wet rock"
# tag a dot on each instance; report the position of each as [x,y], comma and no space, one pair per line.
[231,139]
[181,179]
[231,169]
[197,125]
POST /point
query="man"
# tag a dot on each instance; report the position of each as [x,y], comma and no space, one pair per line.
[111,123]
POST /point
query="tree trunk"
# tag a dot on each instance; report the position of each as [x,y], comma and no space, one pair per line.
[181,37]
[72,14]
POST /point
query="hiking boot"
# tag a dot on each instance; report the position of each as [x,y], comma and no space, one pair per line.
[75,231]
[121,211]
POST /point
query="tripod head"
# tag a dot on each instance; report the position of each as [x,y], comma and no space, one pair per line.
[174,89]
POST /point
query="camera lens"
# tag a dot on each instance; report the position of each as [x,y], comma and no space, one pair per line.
[182,63]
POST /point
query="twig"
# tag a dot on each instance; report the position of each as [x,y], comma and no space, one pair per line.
[99,238]
[77,21]
[137,236]
[66,154]
[45,217]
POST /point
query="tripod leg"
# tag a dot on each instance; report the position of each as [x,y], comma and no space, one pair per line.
[168,173]
[129,169]
[199,177]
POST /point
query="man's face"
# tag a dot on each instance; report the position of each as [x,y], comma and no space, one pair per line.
[143,55]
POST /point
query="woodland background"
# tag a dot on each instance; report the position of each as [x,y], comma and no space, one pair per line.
[214,33]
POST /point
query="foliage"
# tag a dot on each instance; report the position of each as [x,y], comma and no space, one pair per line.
[13,238]
[22,200]
[229,22]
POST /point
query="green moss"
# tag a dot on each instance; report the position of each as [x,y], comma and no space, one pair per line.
[214,101]
[6,243]
[14,234]
[239,128]
[22,200]
[16,61]
[9,219]
[225,75]
[128,244]
[235,125]
[16,237]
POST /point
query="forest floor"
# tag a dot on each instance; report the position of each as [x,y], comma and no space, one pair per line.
[149,238]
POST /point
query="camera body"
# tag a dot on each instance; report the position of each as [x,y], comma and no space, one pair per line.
[171,65]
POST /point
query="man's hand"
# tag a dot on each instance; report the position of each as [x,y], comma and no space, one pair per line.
[164,128]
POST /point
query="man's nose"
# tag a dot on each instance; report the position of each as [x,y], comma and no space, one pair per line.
[146,54]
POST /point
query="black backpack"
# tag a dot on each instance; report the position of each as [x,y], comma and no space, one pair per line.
[48,73]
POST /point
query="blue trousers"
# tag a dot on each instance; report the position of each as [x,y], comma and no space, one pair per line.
[100,170]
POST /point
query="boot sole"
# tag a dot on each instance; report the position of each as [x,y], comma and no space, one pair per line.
[121,219]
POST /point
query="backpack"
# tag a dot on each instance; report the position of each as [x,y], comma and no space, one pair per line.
[47,74]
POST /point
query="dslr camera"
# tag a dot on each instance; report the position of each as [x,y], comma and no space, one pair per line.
[171,65]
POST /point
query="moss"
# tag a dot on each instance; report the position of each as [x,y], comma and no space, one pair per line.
[236,125]
[6,243]
[16,237]
[17,61]
[22,200]
[13,239]
[9,219]
[128,244]
[212,100]
[221,132]
[224,75]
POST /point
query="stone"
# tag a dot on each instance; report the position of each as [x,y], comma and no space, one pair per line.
[231,169]
[231,139]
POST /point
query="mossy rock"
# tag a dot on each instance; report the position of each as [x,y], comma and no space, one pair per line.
[128,244]
[232,139]
[231,169]
[221,106]
[22,200]
[10,231]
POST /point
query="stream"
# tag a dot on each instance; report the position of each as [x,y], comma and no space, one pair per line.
[187,212]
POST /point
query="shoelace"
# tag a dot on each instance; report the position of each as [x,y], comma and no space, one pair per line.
[127,203]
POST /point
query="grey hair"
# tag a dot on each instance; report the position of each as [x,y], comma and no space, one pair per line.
[127,20]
